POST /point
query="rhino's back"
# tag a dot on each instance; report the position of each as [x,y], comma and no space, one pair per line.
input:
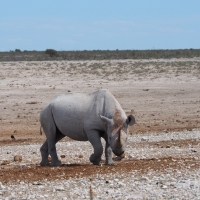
[70,111]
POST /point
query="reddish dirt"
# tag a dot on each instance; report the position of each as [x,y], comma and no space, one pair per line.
[37,173]
[33,173]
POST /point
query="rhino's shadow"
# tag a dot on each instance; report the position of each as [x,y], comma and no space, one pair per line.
[74,165]
[81,165]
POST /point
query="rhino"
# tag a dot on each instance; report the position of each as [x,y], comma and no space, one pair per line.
[85,117]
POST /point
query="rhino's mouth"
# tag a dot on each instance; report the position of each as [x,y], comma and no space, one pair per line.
[118,152]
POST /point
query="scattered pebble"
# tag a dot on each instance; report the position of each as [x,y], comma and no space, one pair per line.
[49,159]
[5,162]
[80,156]
[17,158]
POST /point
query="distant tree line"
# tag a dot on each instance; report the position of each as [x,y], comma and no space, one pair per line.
[51,54]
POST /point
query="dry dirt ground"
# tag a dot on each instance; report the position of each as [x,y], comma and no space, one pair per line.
[163,95]
[34,172]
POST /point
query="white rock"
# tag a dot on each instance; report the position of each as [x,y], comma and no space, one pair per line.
[120,184]
[164,187]
[144,139]
[22,166]
[59,188]
[144,179]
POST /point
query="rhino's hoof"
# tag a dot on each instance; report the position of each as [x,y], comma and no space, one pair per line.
[44,163]
[95,160]
[58,163]
[110,163]
[95,163]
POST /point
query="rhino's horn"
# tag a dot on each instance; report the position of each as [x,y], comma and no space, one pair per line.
[122,137]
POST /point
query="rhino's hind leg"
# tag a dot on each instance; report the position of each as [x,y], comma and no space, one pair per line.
[49,148]
[50,129]
[44,154]
[52,150]
[95,140]
[53,153]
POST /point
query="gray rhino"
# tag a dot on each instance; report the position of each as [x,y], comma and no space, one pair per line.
[85,117]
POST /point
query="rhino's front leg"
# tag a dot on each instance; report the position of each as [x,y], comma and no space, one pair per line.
[108,155]
[95,140]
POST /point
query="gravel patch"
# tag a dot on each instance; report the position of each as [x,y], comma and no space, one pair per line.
[170,183]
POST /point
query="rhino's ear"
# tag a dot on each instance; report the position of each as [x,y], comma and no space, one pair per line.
[106,120]
[130,120]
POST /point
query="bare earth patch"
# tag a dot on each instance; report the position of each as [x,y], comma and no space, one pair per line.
[37,173]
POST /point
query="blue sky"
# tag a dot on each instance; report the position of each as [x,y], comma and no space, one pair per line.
[103,24]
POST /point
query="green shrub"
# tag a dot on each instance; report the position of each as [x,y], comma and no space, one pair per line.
[18,50]
[51,52]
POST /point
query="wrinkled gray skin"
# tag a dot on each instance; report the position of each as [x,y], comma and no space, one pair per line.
[85,117]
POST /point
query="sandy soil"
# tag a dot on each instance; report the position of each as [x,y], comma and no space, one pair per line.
[163,95]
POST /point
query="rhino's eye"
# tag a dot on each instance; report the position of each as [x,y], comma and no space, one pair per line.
[110,138]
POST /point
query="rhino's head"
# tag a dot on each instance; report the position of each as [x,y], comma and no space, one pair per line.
[117,130]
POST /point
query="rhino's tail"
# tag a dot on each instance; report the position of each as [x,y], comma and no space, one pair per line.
[40,130]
